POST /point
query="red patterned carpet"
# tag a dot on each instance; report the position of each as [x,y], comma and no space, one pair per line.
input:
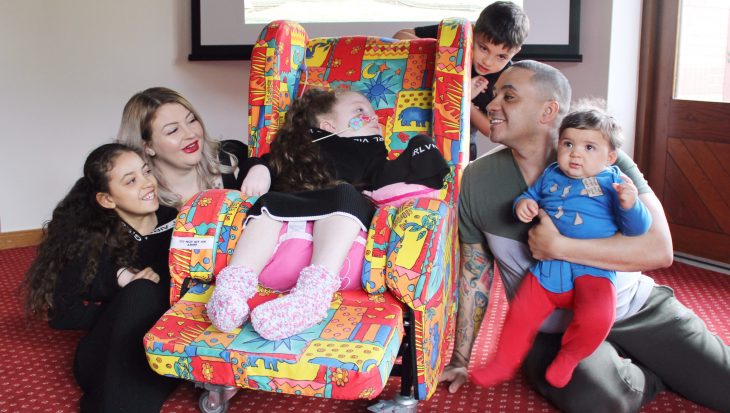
[35,375]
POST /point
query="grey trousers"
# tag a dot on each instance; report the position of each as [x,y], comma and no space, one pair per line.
[665,344]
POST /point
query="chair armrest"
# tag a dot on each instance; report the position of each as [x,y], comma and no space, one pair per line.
[206,231]
[419,242]
[376,250]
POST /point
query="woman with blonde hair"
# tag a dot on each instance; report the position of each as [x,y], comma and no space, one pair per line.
[169,131]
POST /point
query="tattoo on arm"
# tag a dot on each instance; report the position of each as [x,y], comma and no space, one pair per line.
[475,260]
[476,279]
[481,301]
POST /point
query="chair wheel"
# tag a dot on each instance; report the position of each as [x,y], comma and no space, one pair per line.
[205,405]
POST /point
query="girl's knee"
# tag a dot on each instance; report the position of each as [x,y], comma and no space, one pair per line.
[141,291]
[142,299]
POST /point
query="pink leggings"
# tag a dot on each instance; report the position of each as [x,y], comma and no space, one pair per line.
[294,252]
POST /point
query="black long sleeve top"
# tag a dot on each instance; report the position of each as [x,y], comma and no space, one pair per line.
[78,307]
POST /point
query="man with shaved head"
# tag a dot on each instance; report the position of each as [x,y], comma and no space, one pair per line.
[655,343]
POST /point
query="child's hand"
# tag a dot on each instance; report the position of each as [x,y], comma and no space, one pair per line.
[257,181]
[147,274]
[526,210]
[478,85]
[627,192]
[127,275]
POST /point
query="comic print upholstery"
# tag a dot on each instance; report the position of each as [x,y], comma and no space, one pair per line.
[417,86]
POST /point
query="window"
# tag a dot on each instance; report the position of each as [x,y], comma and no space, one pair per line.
[703,59]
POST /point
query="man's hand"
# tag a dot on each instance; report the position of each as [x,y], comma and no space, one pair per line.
[526,209]
[455,375]
[475,278]
[627,192]
[478,85]
[257,181]
[544,239]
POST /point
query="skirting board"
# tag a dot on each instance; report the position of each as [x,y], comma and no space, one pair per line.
[705,263]
[18,239]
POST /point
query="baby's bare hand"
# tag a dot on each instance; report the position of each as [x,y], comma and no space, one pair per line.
[526,210]
[627,192]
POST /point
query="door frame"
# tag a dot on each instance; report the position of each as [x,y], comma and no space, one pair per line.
[659,18]
[663,122]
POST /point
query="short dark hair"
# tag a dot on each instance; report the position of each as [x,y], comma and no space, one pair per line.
[503,23]
[551,82]
[591,114]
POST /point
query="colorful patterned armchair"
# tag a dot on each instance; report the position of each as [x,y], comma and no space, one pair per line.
[408,302]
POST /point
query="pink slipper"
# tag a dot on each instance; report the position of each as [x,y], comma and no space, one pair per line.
[305,306]
[228,307]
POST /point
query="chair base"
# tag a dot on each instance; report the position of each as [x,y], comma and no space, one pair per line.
[214,398]
[400,404]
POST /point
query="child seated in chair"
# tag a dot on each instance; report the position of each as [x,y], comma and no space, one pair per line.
[586,197]
[329,149]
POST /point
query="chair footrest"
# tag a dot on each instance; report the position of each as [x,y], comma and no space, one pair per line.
[349,355]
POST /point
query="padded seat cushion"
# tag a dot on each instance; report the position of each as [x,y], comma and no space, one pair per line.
[349,355]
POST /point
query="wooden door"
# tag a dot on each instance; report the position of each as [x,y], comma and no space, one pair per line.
[683,146]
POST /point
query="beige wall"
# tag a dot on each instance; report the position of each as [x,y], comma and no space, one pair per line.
[69,66]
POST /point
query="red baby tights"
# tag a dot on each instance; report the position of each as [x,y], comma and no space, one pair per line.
[593,300]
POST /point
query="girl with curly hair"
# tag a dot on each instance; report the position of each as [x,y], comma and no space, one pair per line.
[329,149]
[102,267]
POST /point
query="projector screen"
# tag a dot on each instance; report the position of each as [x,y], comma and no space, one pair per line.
[226,29]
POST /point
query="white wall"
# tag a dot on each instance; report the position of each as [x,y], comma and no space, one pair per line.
[623,76]
[67,68]
[609,43]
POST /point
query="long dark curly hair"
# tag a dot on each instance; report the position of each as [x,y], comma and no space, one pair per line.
[79,227]
[294,158]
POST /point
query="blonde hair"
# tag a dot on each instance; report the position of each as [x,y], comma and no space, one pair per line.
[136,131]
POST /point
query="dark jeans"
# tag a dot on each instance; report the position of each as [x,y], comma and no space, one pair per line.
[664,344]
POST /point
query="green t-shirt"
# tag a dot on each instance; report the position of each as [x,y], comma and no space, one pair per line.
[489,186]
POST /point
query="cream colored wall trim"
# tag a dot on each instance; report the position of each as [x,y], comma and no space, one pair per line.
[17,239]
